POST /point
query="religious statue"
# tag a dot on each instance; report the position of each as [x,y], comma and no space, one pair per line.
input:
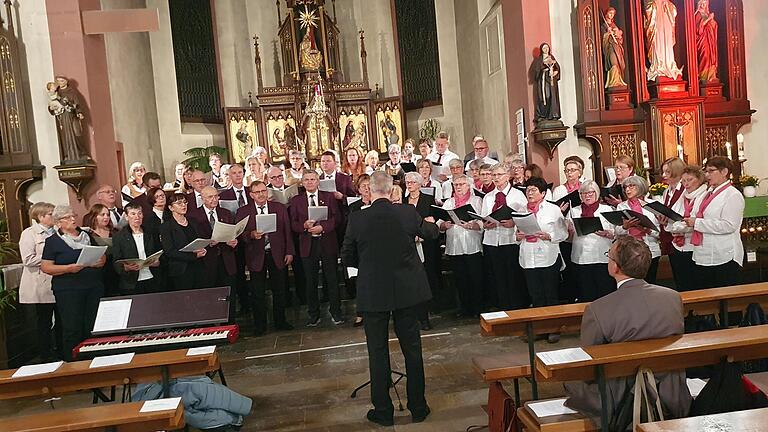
[706,42]
[289,137]
[546,74]
[310,58]
[393,137]
[659,27]
[277,144]
[64,104]
[613,51]
[349,131]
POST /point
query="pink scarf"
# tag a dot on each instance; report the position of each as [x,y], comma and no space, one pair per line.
[570,188]
[634,205]
[697,237]
[462,200]
[533,208]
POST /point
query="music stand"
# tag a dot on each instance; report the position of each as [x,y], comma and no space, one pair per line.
[392,384]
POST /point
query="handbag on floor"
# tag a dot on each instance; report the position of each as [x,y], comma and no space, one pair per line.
[639,404]
[502,412]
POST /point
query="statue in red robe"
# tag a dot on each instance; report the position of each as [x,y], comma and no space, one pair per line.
[706,42]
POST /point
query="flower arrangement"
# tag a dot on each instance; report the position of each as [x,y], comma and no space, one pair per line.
[657,189]
[748,180]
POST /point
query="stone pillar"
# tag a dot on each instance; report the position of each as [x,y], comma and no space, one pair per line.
[82,59]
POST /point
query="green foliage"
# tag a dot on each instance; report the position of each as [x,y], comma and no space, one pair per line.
[197,157]
[429,129]
[748,180]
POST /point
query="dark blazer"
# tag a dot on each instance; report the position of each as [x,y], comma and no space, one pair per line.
[230,195]
[199,217]
[124,247]
[380,242]
[636,311]
[356,206]
[299,213]
[344,184]
[173,238]
[152,223]
[280,242]
[423,205]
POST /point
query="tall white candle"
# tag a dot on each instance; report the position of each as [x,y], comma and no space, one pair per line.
[728,150]
[680,151]
[740,146]
[644,152]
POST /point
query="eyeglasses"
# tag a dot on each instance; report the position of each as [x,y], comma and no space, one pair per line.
[275,177]
[499,174]
[481,148]
[72,217]
[586,194]
[607,254]
[630,186]
[711,169]
[260,191]
[180,202]
[571,170]
[107,191]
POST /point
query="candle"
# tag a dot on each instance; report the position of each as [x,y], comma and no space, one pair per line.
[740,146]
[644,151]
[728,150]
[680,151]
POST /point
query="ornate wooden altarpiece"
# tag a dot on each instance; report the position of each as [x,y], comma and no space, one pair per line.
[700,116]
[313,108]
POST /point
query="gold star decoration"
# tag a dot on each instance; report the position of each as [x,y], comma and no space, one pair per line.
[307,19]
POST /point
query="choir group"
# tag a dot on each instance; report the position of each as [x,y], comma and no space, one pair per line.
[512,240]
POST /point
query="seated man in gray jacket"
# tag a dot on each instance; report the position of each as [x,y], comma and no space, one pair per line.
[636,310]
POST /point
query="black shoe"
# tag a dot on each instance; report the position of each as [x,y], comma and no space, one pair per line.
[420,416]
[379,420]
[338,320]
[426,325]
[313,322]
[553,338]
[283,326]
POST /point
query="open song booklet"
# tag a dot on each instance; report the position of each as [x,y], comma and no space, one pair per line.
[142,263]
[222,233]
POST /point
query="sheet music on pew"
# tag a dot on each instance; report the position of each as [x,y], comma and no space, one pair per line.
[37,369]
[550,408]
[111,360]
[567,355]
[201,350]
[112,315]
[160,405]
[494,315]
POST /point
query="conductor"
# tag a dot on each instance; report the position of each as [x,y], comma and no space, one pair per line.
[380,242]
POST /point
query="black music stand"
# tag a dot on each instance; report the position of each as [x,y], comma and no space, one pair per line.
[392,384]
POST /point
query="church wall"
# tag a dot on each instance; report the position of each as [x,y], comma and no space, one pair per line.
[756,133]
[31,25]
[134,107]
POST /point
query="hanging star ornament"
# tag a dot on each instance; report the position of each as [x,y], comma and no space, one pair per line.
[307,19]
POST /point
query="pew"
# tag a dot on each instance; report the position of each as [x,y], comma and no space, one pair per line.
[660,355]
[77,376]
[121,417]
[567,318]
[749,420]
[501,367]
[556,423]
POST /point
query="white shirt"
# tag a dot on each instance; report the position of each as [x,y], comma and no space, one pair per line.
[324,176]
[145,273]
[316,196]
[198,199]
[260,211]
[560,192]
[651,239]
[240,191]
[544,253]
[620,283]
[721,226]
[438,191]
[446,157]
[209,212]
[681,227]
[591,248]
[461,241]
[486,160]
[501,236]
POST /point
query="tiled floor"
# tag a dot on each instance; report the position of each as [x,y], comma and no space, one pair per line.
[310,390]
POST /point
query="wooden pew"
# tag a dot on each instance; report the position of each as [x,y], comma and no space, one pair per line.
[567,318]
[501,367]
[77,376]
[749,420]
[120,417]
[556,423]
[660,355]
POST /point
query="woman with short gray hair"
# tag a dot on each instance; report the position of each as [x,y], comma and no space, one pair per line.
[589,262]
[392,166]
[35,286]
[77,288]
[636,188]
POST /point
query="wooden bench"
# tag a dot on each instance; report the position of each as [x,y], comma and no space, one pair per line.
[504,367]
[556,423]
[749,420]
[567,318]
[121,417]
[660,355]
[77,376]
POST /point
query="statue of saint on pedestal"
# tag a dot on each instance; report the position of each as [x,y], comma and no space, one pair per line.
[546,74]
[64,104]
[706,42]
[613,51]
[659,27]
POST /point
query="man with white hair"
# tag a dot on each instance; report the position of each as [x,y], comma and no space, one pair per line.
[481,152]
[380,242]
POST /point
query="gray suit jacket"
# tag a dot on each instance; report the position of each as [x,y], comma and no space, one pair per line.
[636,311]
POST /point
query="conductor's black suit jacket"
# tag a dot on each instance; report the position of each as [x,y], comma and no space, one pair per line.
[380,242]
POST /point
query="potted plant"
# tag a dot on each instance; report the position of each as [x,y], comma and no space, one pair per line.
[657,190]
[197,157]
[749,185]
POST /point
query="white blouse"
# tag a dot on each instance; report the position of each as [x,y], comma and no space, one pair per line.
[501,236]
[591,248]
[144,273]
[681,227]
[544,253]
[721,226]
[651,239]
[461,241]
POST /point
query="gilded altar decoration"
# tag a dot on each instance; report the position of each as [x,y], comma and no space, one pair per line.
[614,59]
[706,42]
[281,132]
[64,103]
[310,57]
[390,126]
[659,24]
[353,129]
[317,123]
[243,133]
